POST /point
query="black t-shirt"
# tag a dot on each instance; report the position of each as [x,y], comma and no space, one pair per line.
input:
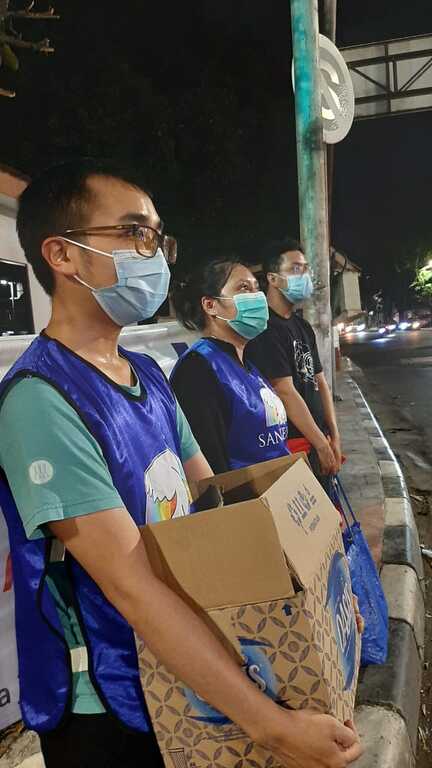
[288,348]
[201,397]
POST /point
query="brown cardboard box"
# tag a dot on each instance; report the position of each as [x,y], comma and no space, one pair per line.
[268,574]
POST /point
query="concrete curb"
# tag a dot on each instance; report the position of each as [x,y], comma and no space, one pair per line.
[384,738]
[388,697]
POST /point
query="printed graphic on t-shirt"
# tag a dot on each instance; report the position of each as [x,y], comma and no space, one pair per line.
[274,407]
[166,488]
[304,361]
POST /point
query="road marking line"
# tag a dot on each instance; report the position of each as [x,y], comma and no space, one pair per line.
[417,360]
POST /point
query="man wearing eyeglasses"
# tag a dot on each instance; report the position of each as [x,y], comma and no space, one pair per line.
[286,353]
[93,446]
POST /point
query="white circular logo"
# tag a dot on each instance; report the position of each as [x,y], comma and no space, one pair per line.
[337,92]
[41,472]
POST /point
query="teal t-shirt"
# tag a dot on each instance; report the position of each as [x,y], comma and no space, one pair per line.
[56,470]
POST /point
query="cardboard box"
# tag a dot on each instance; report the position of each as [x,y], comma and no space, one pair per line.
[267,572]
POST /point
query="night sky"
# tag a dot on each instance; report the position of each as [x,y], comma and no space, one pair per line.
[197,96]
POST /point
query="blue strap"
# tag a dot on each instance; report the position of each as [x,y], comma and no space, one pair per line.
[341,491]
[337,501]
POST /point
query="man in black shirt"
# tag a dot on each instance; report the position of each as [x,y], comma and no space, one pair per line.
[286,353]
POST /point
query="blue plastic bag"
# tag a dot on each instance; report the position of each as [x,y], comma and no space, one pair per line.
[366,584]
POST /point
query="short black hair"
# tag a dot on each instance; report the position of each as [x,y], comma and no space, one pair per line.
[272,257]
[58,200]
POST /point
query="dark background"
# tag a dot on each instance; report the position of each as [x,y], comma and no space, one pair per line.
[198,97]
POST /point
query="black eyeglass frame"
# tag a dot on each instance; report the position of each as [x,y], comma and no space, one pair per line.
[167,243]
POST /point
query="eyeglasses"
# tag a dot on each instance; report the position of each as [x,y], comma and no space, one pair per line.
[146,239]
[296,269]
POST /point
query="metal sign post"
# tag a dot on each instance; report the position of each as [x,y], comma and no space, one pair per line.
[311,164]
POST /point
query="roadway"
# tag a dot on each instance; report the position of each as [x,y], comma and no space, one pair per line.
[398,371]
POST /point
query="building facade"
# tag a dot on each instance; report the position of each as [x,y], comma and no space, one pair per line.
[24,305]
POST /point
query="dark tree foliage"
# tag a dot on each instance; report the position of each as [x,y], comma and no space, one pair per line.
[12,38]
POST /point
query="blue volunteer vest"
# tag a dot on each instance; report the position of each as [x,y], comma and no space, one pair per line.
[257,420]
[139,440]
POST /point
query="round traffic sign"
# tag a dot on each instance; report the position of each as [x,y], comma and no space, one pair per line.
[337,92]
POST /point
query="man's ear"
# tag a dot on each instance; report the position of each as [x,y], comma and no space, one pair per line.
[57,255]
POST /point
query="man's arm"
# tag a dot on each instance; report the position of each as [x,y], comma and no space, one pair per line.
[327,402]
[197,468]
[330,418]
[109,547]
[299,414]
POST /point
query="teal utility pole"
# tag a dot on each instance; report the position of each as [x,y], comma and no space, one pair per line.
[311,169]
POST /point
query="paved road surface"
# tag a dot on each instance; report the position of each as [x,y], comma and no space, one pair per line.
[400,368]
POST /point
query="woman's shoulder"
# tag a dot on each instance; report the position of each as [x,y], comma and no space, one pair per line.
[192,365]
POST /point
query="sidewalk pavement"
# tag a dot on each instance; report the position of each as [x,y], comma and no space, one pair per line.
[360,475]
[388,698]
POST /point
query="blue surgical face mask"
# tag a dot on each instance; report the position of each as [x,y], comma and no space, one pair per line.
[252,314]
[299,288]
[141,287]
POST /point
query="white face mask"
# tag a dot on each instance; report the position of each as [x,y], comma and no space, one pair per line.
[141,288]
[298,287]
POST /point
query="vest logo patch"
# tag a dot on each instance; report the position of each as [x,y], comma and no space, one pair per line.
[274,407]
[166,488]
[40,472]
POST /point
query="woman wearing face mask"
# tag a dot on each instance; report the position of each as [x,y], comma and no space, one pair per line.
[235,415]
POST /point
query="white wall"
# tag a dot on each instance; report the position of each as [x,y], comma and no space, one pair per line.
[10,250]
[351,292]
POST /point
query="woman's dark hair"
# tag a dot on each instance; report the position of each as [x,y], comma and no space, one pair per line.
[59,199]
[208,280]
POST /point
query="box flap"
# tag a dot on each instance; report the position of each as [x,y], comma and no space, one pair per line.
[227,556]
[305,519]
[246,483]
